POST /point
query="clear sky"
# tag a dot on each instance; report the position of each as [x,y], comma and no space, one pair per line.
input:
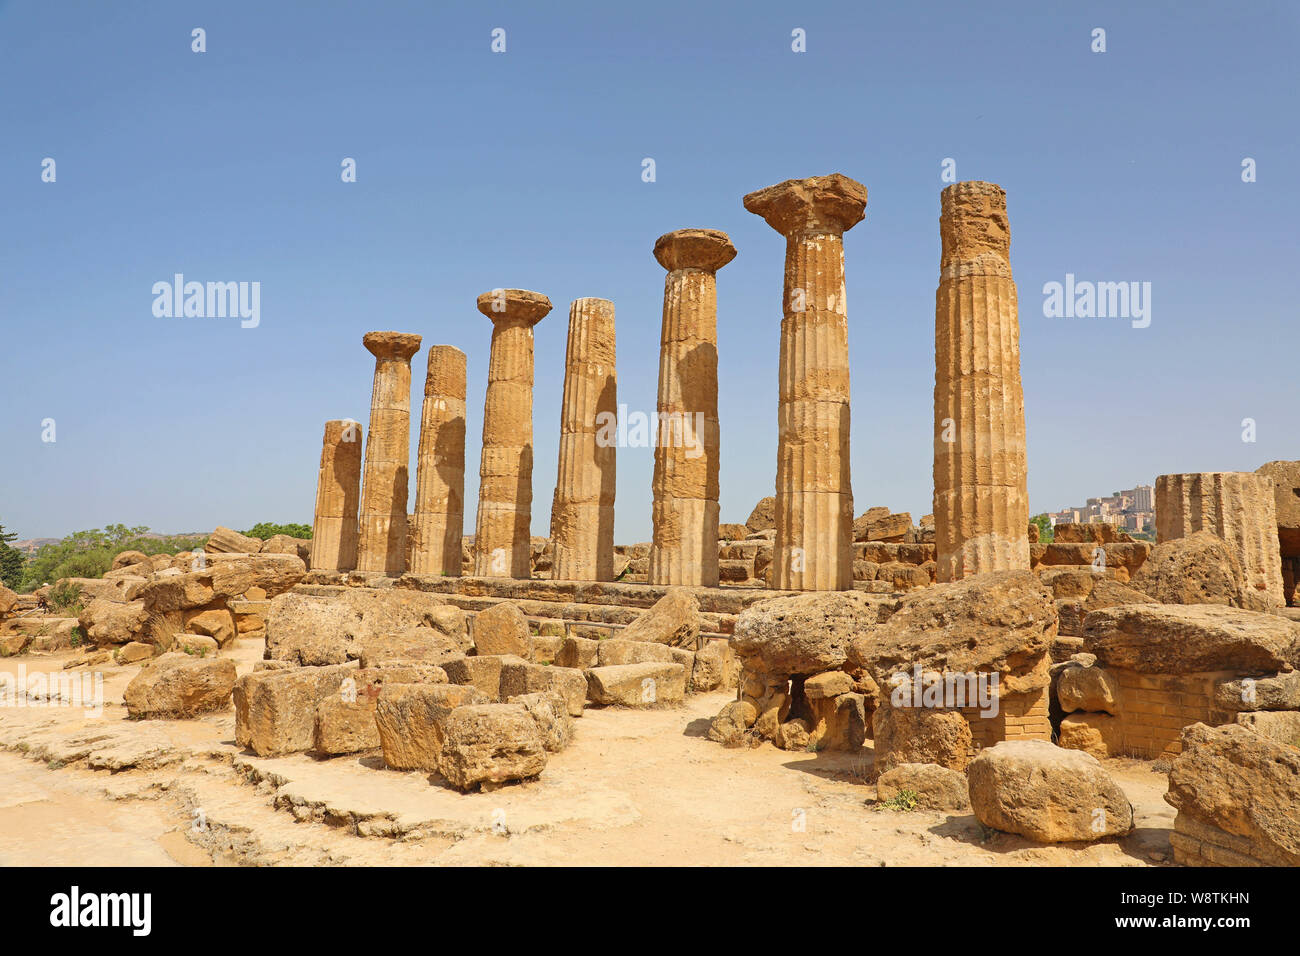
[478,170]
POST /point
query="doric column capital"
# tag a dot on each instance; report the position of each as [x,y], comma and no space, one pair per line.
[514,305]
[391,345]
[705,249]
[820,204]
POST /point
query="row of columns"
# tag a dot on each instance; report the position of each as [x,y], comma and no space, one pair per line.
[980,501]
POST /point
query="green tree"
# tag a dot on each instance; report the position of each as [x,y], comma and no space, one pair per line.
[1045,531]
[89,554]
[11,560]
[267,529]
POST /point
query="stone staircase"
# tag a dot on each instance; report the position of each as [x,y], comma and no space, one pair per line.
[571,608]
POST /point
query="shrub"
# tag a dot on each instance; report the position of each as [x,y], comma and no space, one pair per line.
[266,529]
[904,801]
[66,596]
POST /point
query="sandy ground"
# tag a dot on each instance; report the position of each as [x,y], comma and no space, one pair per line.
[636,788]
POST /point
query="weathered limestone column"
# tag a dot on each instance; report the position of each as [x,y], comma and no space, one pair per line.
[440,467]
[685,545]
[582,512]
[505,501]
[814,495]
[382,540]
[338,495]
[981,501]
[1240,508]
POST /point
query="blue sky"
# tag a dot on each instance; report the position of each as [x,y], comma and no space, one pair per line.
[478,170]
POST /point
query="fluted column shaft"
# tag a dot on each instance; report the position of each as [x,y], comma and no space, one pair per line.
[383,522]
[338,496]
[502,533]
[1241,509]
[684,548]
[814,496]
[813,550]
[981,501]
[439,518]
[582,511]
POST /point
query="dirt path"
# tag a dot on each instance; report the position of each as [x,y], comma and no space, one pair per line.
[636,788]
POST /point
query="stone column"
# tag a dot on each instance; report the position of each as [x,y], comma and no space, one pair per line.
[1240,508]
[338,495]
[582,512]
[685,546]
[440,467]
[505,501]
[981,502]
[382,540]
[814,495]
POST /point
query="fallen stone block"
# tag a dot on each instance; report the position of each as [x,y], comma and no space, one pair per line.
[1235,792]
[931,786]
[1282,726]
[1045,793]
[920,735]
[1098,734]
[732,722]
[1187,639]
[551,714]
[502,629]
[839,723]
[578,652]
[411,644]
[196,645]
[1270,692]
[545,648]
[715,666]
[619,651]
[346,726]
[177,685]
[133,652]
[673,620]
[318,629]
[636,685]
[410,718]
[493,743]
[524,677]
[483,671]
[1088,688]
[275,710]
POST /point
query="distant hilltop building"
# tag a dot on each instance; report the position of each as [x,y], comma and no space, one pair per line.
[1131,510]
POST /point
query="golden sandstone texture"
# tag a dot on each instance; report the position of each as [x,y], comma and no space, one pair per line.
[439,517]
[381,544]
[582,511]
[814,494]
[338,496]
[685,483]
[1241,509]
[981,502]
[501,538]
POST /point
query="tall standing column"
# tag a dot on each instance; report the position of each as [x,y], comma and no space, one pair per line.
[1240,508]
[505,501]
[383,526]
[440,467]
[981,502]
[685,546]
[338,495]
[814,495]
[582,512]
